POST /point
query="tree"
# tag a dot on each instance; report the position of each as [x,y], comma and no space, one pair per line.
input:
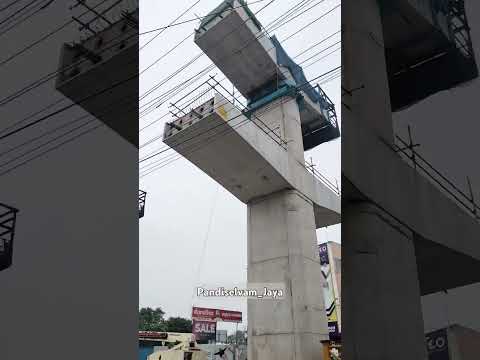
[151,319]
[179,324]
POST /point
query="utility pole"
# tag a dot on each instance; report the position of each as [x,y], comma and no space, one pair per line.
[285,206]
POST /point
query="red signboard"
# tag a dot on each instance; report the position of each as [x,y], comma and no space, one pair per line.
[216,315]
[204,330]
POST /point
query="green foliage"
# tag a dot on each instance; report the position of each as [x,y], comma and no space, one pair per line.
[152,320]
[179,324]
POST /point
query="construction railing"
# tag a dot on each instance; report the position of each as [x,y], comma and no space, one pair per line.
[407,149]
[142,195]
[8,217]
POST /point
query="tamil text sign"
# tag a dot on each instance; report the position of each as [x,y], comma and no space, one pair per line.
[207,314]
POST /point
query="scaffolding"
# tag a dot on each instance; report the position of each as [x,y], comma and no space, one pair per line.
[8,217]
[142,195]
[97,72]
[424,39]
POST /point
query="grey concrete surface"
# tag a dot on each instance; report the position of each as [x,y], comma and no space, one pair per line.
[397,192]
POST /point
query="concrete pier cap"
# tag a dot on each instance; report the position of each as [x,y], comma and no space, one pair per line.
[233,38]
[232,149]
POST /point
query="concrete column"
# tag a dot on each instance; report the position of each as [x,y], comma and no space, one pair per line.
[363,65]
[382,316]
[282,247]
[284,116]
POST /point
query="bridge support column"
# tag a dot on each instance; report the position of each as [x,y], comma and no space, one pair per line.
[282,247]
[382,316]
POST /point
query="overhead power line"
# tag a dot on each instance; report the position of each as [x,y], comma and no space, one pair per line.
[191,20]
[85,132]
[45,37]
[94,128]
[29,15]
[199,55]
[133,108]
[9,5]
[177,18]
[226,122]
[153,103]
[43,118]
[52,75]
[51,149]
[8,134]
[11,16]
[304,67]
[52,114]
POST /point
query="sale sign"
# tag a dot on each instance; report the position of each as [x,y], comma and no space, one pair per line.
[204,331]
[207,314]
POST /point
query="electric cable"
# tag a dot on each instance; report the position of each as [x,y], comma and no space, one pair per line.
[18,11]
[195,19]
[52,75]
[2,137]
[161,32]
[44,37]
[76,137]
[9,5]
[166,114]
[226,122]
[256,38]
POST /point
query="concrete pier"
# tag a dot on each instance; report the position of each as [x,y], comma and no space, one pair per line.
[258,155]
[382,316]
[282,248]
[285,204]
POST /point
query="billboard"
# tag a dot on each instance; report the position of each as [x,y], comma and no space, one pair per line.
[207,314]
[204,331]
[437,345]
[329,292]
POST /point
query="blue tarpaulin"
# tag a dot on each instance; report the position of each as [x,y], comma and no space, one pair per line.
[297,72]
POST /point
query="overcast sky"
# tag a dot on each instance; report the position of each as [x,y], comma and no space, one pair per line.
[180,197]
